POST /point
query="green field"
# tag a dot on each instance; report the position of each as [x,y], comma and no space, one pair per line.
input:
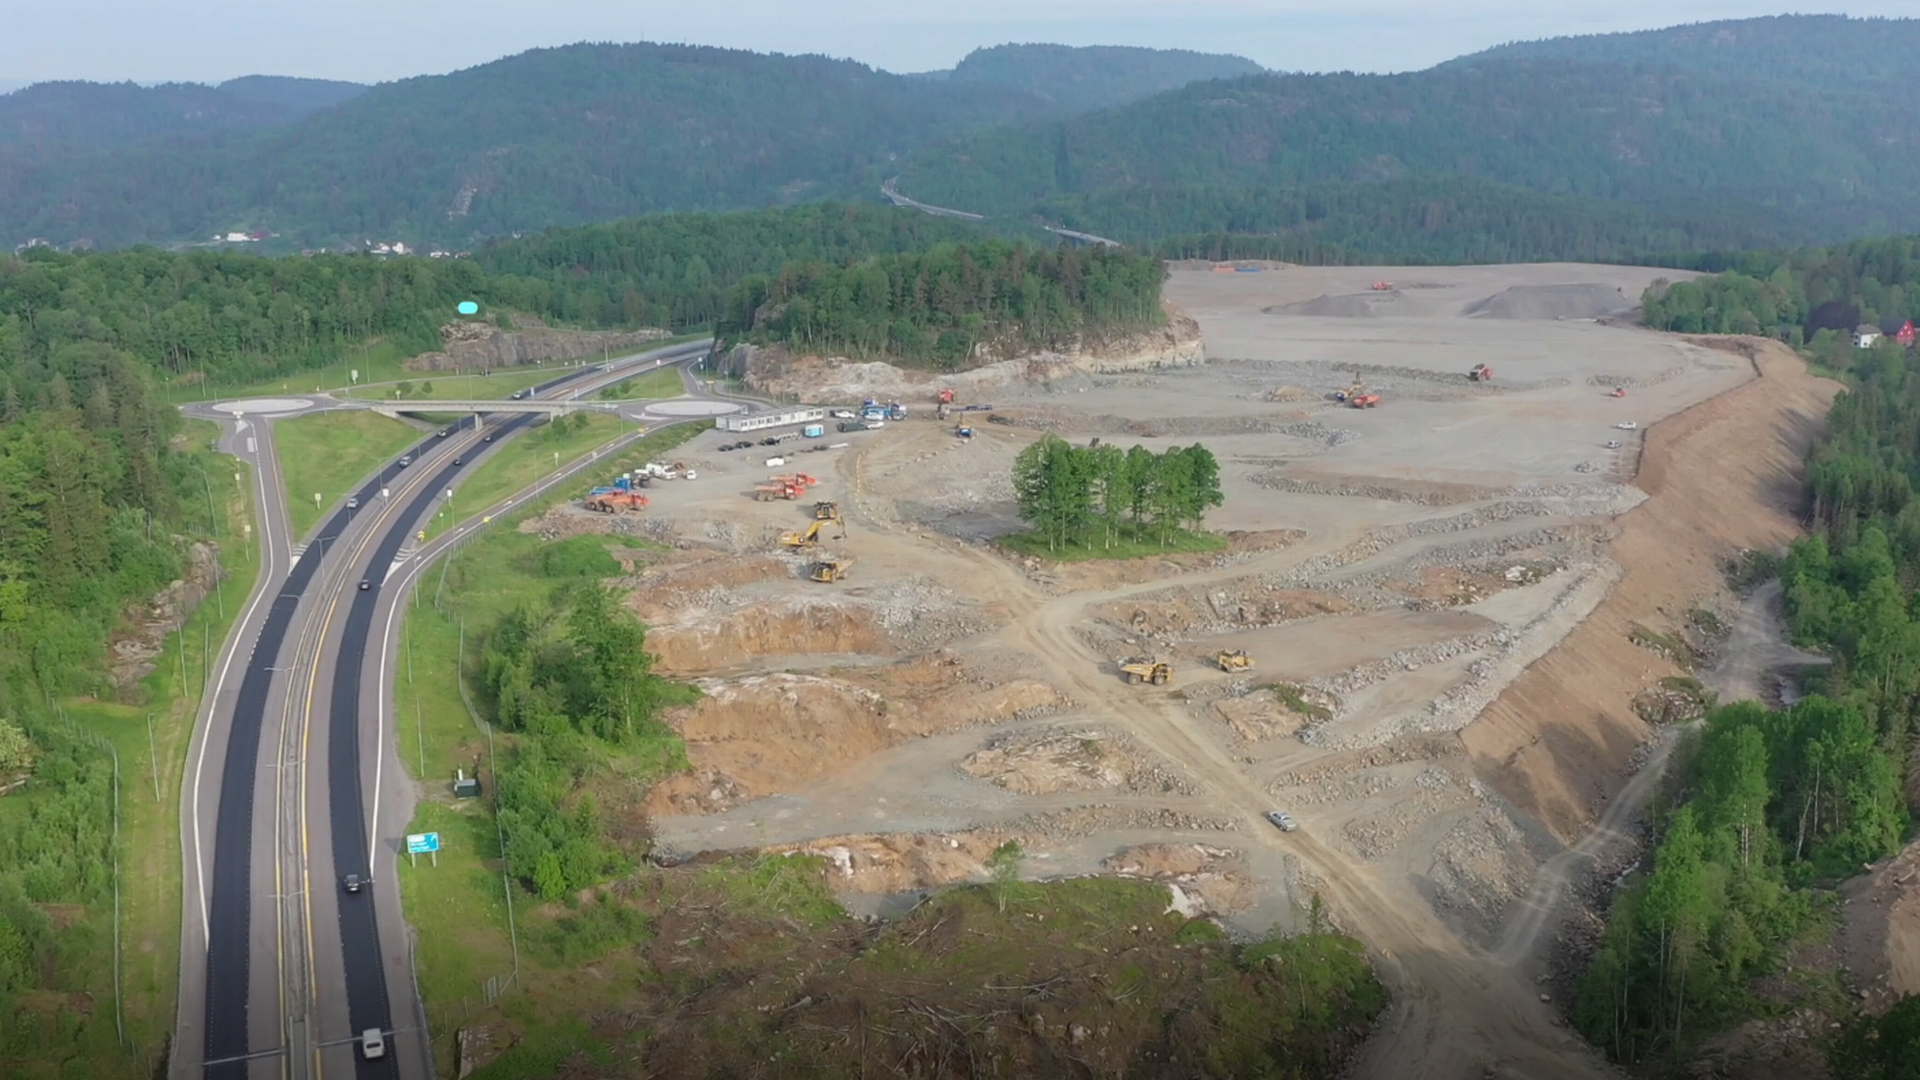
[1132,543]
[329,453]
[151,774]
[660,383]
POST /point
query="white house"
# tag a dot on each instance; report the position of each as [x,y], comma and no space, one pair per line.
[237,238]
[1865,335]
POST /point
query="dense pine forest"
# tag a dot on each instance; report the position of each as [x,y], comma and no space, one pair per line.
[940,306]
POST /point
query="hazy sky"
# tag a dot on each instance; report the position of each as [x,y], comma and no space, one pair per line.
[374,40]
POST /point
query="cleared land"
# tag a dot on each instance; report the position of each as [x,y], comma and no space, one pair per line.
[1444,585]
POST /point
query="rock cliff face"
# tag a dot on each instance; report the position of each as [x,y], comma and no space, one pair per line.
[480,345]
[777,372]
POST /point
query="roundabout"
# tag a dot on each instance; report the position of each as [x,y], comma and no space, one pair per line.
[682,408]
[264,406]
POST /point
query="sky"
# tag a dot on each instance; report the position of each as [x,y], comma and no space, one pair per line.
[380,40]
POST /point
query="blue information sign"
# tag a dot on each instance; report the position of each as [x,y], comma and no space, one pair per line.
[423,843]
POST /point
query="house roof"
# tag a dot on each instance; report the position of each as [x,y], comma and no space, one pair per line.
[1866,328]
[1893,324]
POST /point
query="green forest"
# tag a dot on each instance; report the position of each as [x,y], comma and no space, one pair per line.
[1102,497]
[559,136]
[1777,807]
[229,318]
[1436,220]
[937,307]
[1767,157]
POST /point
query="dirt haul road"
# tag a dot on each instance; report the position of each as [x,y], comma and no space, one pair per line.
[1446,583]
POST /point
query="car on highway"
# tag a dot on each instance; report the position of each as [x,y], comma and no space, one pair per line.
[486,438]
[406,460]
[443,432]
[1282,821]
[518,394]
[457,461]
[353,883]
[353,503]
[373,1044]
[365,584]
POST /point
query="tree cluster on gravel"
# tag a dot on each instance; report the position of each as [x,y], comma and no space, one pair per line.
[1098,496]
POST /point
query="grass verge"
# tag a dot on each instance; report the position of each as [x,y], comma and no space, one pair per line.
[1131,542]
[329,453]
[152,768]
[656,384]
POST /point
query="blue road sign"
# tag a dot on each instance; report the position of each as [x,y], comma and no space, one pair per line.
[423,843]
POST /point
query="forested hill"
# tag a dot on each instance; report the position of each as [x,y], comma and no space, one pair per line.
[1097,76]
[549,137]
[1814,51]
[1818,163]
[100,116]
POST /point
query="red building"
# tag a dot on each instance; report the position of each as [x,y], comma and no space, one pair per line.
[1905,335]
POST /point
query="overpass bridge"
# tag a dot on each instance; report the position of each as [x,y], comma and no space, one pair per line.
[556,407]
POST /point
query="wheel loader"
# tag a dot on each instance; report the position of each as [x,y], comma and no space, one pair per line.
[1233,660]
[1142,669]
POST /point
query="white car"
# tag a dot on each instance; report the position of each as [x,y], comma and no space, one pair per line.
[842,414]
[775,462]
[373,1044]
[1626,425]
[1282,821]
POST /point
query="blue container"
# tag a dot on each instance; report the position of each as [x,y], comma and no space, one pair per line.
[814,431]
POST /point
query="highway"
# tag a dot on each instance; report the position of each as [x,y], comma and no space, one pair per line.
[281,968]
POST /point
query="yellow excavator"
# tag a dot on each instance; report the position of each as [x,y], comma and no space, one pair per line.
[1233,660]
[808,538]
[1146,669]
[829,570]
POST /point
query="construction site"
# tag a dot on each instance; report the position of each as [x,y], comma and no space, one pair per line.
[1471,515]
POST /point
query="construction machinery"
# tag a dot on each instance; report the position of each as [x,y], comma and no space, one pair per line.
[962,432]
[945,397]
[1618,391]
[1353,390]
[829,570]
[1480,373]
[1382,286]
[1142,669]
[826,511]
[608,502]
[1233,660]
[811,536]
[1364,401]
[778,490]
[800,480]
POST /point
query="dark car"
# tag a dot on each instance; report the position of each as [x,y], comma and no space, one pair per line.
[365,585]
[769,442]
[456,461]
[486,438]
[353,883]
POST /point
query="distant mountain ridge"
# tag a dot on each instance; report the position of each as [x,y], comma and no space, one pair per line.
[559,136]
[105,116]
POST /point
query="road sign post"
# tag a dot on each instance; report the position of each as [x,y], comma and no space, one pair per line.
[423,844]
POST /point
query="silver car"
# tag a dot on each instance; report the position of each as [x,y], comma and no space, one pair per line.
[1282,821]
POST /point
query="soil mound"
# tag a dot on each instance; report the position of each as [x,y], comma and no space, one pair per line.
[1347,306]
[1581,301]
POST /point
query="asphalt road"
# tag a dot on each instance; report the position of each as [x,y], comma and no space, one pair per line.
[254,892]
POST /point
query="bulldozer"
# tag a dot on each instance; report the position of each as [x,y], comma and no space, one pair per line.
[1146,669]
[1233,660]
[829,570]
[811,536]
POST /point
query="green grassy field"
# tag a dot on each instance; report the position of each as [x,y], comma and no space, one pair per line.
[151,773]
[330,453]
[660,383]
[1132,543]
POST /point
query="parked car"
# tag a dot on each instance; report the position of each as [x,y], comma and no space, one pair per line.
[1282,821]
[770,441]
[842,414]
